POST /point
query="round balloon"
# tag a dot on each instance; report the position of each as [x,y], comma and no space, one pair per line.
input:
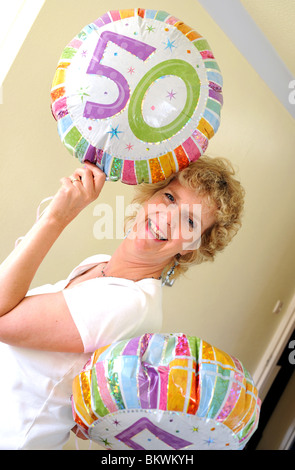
[138,93]
[160,392]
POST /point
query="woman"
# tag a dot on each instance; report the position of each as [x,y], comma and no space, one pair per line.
[47,334]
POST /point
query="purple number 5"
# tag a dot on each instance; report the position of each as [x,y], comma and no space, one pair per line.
[139,49]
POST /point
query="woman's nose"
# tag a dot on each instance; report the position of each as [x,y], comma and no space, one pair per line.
[173,218]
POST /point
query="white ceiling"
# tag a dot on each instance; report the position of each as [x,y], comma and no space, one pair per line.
[261,39]
[276,20]
[16,21]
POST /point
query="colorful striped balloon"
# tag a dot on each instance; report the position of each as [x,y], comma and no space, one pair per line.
[138,93]
[165,391]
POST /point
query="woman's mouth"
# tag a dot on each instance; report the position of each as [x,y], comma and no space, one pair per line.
[155,231]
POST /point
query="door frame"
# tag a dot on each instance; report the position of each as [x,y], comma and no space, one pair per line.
[267,368]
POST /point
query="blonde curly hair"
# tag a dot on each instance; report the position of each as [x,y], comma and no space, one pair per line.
[212,178]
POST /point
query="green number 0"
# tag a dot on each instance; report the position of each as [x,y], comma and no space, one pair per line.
[181,69]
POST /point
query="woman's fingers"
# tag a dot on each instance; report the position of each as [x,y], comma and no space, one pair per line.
[66,182]
[91,178]
[82,182]
[98,175]
[76,192]
[99,181]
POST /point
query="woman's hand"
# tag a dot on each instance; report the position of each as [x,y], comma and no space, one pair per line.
[19,268]
[76,192]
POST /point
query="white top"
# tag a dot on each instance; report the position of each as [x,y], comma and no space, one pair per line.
[36,386]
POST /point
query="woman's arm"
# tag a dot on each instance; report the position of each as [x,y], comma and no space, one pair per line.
[41,322]
[18,270]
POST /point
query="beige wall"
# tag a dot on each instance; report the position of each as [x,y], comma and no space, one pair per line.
[229,302]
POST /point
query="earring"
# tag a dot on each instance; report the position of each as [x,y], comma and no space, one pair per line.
[127,233]
[166,281]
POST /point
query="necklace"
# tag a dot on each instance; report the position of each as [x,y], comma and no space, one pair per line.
[104,275]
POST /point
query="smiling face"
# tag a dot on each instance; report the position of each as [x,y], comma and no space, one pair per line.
[172,221]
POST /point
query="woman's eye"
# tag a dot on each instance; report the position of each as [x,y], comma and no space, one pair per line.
[191,223]
[170,197]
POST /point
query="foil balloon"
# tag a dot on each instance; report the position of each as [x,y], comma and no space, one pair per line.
[138,93]
[160,392]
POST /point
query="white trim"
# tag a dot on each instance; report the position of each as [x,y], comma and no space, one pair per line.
[289,438]
[20,17]
[274,350]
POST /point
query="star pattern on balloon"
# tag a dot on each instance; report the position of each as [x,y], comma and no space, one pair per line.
[171,94]
[169,44]
[114,132]
[106,442]
[129,147]
[209,441]
[82,92]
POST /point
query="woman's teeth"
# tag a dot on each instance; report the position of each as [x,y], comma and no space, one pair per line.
[154,230]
